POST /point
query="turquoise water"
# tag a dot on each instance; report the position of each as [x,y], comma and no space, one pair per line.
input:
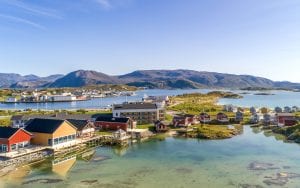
[278,98]
[251,159]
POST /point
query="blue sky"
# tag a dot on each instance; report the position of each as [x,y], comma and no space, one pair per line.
[258,37]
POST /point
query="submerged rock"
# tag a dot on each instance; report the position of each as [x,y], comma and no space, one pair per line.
[281,178]
[261,166]
[249,186]
[89,182]
[100,158]
[44,181]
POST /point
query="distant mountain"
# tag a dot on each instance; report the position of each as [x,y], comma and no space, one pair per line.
[82,78]
[194,79]
[17,81]
[172,79]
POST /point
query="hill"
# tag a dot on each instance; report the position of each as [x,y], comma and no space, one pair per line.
[171,79]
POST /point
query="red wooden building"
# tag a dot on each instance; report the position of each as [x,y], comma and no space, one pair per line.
[286,119]
[205,118]
[12,139]
[222,117]
[113,123]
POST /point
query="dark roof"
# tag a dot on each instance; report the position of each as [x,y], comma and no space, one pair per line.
[130,106]
[79,124]
[62,116]
[112,119]
[7,132]
[43,125]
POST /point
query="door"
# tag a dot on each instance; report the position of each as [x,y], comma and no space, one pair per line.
[50,142]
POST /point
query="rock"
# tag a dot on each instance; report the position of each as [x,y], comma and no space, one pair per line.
[249,186]
[44,181]
[261,166]
[89,182]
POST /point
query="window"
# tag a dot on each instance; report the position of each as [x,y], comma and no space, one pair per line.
[55,141]
[50,142]
[3,148]
[13,147]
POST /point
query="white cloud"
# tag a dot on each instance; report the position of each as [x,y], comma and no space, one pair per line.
[21,20]
[34,9]
[104,3]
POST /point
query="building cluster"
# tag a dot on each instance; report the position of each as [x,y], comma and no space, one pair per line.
[77,95]
[37,97]
[278,117]
[61,130]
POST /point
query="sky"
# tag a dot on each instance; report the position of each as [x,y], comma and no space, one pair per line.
[254,37]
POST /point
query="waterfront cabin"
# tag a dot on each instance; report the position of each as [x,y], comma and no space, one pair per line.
[85,128]
[295,109]
[120,135]
[229,108]
[254,119]
[13,139]
[19,121]
[184,120]
[52,132]
[161,126]
[278,110]
[287,109]
[222,118]
[286,119]
[253,110]
[114,123]
[205,118]
[267,119]
[239,116]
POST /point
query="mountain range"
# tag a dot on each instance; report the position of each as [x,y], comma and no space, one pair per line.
[171,79]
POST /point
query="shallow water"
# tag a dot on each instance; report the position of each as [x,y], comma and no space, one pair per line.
[175,163]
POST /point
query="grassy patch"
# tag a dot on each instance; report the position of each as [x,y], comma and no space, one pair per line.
[5,121]
[214,131]
[101,133]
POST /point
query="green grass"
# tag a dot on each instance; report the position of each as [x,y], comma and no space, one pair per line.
[101,133]
[5,122]
[145,126]
[214,131]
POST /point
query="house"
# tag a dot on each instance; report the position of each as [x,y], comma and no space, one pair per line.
[278,109]
[184,120]
[295,109]
[239,116]
[85,128]
[286,119]
[205,118]
[114,123]
[19,121]
[222,118]
[253,110]
[141,112]
[229,108]
[161,126]
[13,139]
[287,109]
[254,119]
[11,100]
[52,132]
[267,119]
[120,135]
